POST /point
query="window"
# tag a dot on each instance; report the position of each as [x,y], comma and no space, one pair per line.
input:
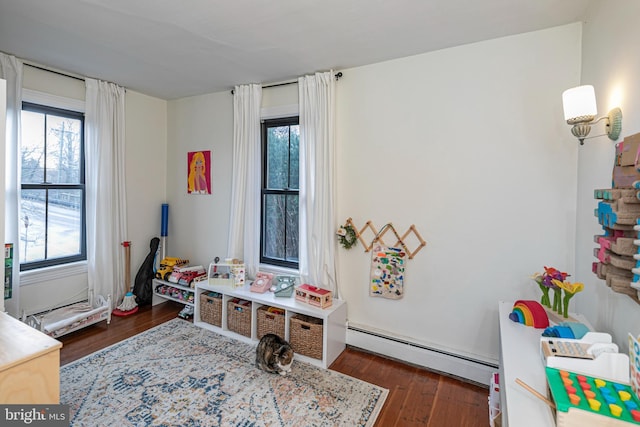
[52,205]
[280,170]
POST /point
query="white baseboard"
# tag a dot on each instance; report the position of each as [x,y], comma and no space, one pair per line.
[460,366]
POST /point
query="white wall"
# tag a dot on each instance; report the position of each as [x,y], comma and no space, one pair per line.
[610,63]
[467,143]
[198,224]
[146,148]
[146,159]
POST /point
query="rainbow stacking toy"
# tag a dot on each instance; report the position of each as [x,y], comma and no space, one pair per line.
[583,401]
[529,313]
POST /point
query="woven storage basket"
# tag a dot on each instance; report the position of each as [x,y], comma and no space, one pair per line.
[211,309]
[239,318]
[306,335]
[270,323]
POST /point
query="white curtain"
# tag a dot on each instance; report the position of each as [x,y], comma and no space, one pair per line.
[105,183]
[11,71]
[317,180]
[244,217]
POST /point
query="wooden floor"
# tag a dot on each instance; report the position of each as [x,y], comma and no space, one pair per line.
[417,397]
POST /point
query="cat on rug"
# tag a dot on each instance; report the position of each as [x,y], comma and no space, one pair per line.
[274,355]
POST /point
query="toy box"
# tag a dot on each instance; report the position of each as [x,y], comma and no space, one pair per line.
[312,295]
[226,274]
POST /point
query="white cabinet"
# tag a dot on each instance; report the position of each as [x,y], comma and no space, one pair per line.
[334,318]
[180,295]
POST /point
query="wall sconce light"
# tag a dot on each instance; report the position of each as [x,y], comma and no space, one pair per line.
[580,111]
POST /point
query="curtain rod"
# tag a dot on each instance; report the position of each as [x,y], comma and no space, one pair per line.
[54,71]
[60,73]
[337,75]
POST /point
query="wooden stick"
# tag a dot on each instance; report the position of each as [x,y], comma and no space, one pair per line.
[535,393]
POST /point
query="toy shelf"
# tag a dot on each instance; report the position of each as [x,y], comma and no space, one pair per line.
[520,358]
[159,297]
[334,318]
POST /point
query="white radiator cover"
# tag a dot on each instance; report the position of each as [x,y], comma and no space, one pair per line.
[436,360]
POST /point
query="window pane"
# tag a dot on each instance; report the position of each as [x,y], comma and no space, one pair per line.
[281,227]
[63,150]
[278,157]
[65,219]
[32,225]
[292,228]
[274,231]
[294,158]
[32,147]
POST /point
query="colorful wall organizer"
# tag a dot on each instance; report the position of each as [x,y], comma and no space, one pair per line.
[616,252]
[618,212]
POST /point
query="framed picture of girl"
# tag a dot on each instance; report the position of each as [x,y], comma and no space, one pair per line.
[199,172]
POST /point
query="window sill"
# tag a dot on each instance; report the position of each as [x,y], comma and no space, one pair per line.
[51,273]
[268,268]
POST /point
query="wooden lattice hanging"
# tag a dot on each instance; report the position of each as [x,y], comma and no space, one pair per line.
[378,235]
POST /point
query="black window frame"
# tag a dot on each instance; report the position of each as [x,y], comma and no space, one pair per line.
[265,124]
[82,256]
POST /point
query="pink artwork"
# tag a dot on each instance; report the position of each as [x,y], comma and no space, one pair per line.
[199,172]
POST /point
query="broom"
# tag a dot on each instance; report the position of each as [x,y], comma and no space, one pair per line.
[129,305]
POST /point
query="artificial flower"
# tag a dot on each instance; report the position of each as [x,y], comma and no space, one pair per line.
[570,289]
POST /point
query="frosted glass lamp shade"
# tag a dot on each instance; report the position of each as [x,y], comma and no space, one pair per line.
[579,104]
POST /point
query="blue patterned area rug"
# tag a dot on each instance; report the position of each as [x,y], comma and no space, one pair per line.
[177,374]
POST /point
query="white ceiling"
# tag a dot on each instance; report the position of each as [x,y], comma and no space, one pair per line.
[176,48]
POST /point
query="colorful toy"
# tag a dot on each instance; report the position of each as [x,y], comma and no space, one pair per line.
[314,296]
[186,275]
[283,286]
[262,282]
[166,267]
[529,313]
[574,330]
[584,401]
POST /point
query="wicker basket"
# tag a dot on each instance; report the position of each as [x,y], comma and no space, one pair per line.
[306,335]
[239,318]
[211,309]
[270,322]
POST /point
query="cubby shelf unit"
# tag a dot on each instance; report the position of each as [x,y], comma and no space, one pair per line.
[157,295]
[334,318]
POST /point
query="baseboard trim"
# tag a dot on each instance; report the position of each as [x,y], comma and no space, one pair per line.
[464,367]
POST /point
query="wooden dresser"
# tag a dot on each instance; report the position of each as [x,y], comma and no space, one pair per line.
[29,364]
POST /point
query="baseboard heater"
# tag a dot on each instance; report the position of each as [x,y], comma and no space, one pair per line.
[465,367]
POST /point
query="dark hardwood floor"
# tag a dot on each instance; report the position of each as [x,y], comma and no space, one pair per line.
[417,397]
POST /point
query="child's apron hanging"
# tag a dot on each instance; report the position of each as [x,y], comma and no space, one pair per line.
[387,268]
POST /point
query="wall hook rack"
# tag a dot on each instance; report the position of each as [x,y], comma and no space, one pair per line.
[379,234]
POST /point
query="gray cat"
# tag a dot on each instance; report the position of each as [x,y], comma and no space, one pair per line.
[274,355]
